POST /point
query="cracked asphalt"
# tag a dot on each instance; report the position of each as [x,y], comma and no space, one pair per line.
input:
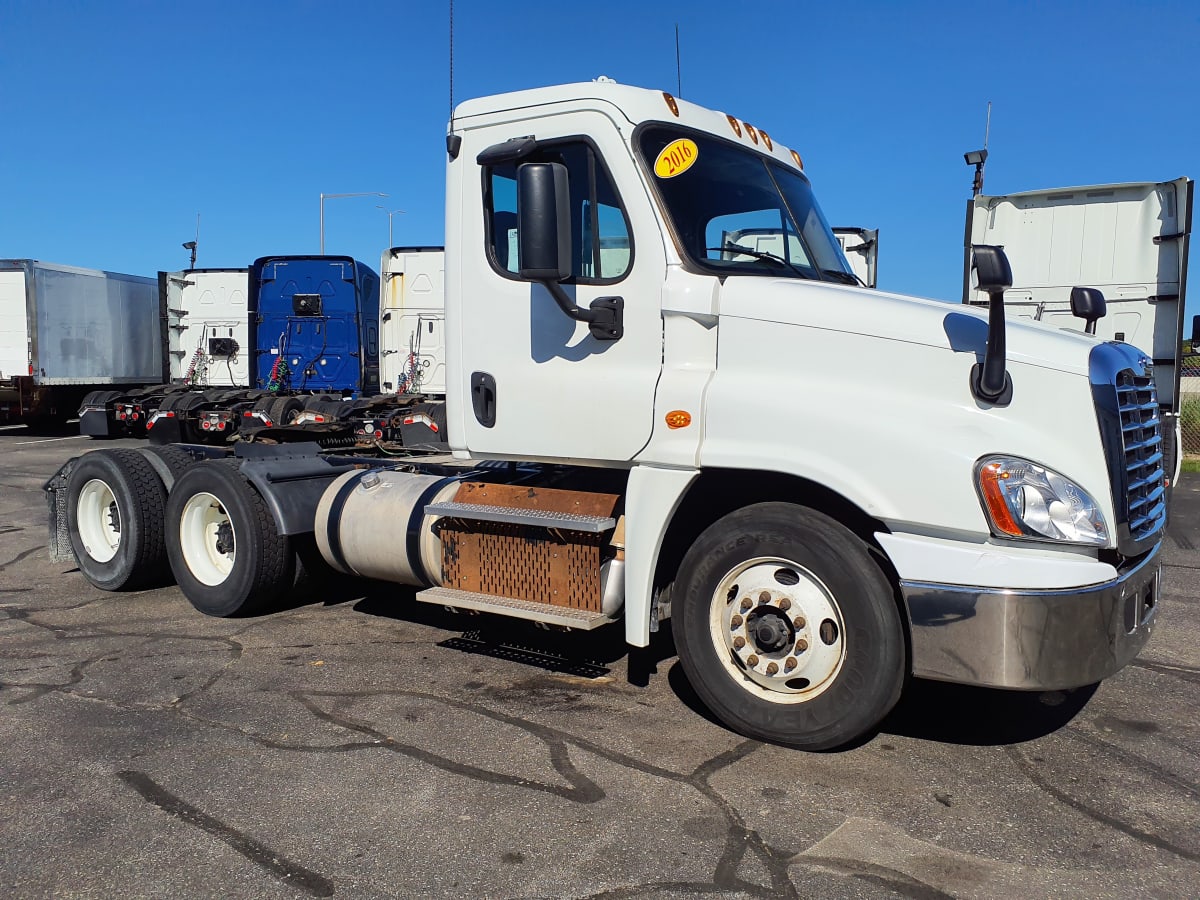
[359,744]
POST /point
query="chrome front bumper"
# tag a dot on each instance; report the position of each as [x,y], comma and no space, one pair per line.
[1032,640]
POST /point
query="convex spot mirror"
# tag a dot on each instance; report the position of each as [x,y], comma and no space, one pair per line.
[543,222]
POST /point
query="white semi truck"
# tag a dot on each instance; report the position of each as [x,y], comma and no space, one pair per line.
[649,419]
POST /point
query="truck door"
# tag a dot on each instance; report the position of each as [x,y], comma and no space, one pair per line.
[532,382]
[1128,240]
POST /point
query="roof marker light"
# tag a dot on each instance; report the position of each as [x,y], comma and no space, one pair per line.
[796,158]
[767,140]
[750,131]
[735,125]
[671,104]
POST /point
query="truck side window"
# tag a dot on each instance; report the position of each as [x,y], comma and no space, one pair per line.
[601,248]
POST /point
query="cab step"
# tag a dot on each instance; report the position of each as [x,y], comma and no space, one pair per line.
[540,518]
[564,616]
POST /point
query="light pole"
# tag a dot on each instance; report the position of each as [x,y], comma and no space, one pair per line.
[333,196]
[389,215]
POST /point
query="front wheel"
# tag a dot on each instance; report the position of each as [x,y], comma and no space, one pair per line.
[222,542]
[787,629]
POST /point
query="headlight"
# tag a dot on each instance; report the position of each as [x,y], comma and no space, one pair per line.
[1024,500]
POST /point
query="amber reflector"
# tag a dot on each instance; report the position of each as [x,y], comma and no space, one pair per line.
[671,104]
[735,125]
[678,418]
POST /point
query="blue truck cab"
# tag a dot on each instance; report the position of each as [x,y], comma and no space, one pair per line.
[316,322]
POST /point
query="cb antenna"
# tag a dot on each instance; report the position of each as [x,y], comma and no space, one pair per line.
[678,67]
[453,141]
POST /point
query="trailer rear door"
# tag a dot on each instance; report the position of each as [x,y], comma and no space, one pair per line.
[14,324]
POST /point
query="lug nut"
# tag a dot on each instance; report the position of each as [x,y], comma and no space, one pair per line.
[800,622]
[739,642]
[752,659]
[747,603]
[801,645]
[764,597]
[736,621]
[785,604]
[772,669]
[789,663]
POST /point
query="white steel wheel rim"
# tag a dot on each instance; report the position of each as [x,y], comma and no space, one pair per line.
[207,539]
[777,630]
[99,520]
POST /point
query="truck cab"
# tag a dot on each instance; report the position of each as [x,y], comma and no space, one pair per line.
[316,319]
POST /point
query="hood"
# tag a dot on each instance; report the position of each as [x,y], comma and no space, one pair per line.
[895,317]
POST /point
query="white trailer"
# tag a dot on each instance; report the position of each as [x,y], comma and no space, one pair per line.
[65,331]
[861,246]
[649,422]
[208,327]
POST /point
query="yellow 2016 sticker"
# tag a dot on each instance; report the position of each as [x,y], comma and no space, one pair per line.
[676,158]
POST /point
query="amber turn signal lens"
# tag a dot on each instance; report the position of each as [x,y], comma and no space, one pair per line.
[671,104]
[990,477]
[678,418]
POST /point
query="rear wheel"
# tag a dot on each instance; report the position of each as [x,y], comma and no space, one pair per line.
[224,549]
[115,504]
[787,629]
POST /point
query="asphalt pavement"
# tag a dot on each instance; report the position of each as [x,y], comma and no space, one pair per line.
[359,744]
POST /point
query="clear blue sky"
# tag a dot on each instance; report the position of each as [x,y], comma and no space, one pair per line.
[123,120]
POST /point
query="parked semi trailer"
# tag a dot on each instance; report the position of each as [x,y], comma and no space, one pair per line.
[1130,242]
[649,421]
[66,331]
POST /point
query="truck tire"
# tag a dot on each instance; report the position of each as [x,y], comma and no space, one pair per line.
[115,503]
[224,549]
[787,629]
[283,410]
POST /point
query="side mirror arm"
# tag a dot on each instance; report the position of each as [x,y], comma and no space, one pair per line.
[990,380]
[605,316]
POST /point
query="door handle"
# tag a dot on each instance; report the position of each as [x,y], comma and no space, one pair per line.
[483,398]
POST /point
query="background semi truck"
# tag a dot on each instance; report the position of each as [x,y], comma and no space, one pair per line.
[66,331]
[649,421]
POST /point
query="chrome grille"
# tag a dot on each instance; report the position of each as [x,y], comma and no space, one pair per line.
[1141,440]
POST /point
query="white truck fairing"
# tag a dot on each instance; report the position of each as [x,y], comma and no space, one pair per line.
[412,314]
[208,330]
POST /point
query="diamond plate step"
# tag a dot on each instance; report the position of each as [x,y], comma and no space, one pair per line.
[516,516]
[582,619]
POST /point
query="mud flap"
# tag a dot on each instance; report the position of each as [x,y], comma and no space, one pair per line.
[58,539]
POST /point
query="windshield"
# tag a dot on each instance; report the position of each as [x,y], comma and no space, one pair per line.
[735,211]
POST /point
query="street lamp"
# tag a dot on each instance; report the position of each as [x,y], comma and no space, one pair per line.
[389,215]
[333,196]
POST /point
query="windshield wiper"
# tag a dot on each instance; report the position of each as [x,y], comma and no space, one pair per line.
[760,254]
[844,277]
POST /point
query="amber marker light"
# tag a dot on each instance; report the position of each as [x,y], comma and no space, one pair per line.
[750,131]
[797,160]
[678,418]
[735,125]
[767,140]
[671,104]
[991,481]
